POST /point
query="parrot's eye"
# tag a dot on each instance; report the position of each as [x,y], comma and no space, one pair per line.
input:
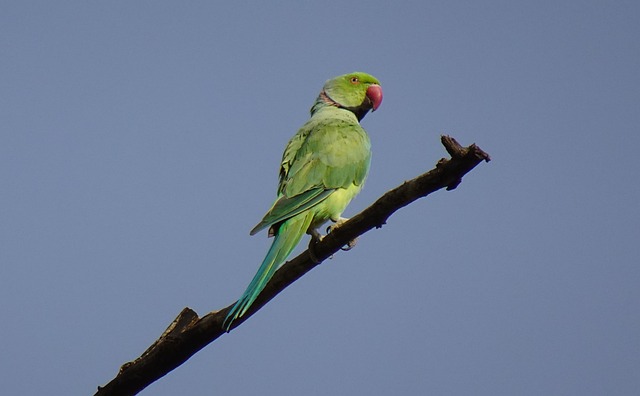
[354,80]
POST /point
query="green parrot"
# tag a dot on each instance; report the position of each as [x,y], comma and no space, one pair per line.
[323,167]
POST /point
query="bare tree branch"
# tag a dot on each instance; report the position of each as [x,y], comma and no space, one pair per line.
[188,333]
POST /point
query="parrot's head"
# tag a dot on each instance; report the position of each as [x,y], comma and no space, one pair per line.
[357,92]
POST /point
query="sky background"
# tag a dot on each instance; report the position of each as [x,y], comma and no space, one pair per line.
[140,142]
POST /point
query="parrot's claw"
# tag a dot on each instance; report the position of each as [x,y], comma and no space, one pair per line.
[313,257]
[315,238]
[337,223]
[350,245]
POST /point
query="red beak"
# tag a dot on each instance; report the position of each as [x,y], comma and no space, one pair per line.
[374,93]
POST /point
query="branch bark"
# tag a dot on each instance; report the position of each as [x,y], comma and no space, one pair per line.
[188,333]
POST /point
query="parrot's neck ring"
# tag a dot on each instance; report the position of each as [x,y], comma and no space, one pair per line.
[359,111]
[326,99]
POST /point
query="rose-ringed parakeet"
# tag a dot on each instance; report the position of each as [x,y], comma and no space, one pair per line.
[323,167]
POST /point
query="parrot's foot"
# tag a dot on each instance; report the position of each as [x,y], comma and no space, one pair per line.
[341,220]
[315,236]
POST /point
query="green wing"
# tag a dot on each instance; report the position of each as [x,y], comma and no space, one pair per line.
[285,208]
[327,153]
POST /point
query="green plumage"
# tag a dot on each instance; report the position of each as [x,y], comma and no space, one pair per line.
[323,167]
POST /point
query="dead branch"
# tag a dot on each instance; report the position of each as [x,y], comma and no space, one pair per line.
[188,333]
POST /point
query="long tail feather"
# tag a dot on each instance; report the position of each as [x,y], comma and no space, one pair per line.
[286,239]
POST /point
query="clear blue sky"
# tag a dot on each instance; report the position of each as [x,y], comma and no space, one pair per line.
[140,141]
